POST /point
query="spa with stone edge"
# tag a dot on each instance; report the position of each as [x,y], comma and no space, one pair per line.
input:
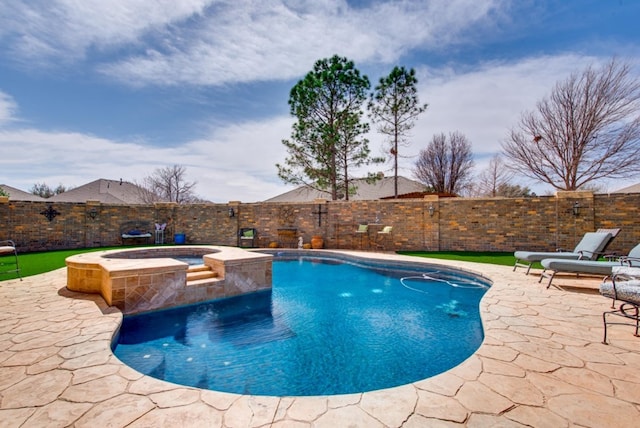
[146,279]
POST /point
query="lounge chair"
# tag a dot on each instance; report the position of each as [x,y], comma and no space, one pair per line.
[8,249]
[588,267]
[623,286]
[589,248]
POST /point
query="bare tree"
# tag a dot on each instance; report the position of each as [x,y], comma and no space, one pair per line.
[145,192]
[168,184]
[446,164]
[587,129]
[491,178]
[496,179]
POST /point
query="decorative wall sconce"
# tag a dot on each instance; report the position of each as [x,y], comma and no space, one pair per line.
[232,212]
[432,210]
[576,209]
[93,213]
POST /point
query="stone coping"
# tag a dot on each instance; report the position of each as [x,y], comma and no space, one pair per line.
[541,364]
[144,259]
[149,278]
[119,262]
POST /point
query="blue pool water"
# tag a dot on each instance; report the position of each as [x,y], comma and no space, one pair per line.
[327,327]
[191,260]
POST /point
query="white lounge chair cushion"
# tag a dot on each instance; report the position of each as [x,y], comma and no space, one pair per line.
[7,250]
[136,235]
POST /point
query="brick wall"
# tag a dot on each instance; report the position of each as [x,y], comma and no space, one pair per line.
[432,223]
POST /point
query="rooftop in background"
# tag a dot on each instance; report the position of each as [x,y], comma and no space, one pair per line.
[105,191]
[381,189]
[19,195]
[630,189]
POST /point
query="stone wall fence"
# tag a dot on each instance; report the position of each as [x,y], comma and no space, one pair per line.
[430,223]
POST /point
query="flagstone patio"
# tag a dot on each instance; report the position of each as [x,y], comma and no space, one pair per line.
[541,364]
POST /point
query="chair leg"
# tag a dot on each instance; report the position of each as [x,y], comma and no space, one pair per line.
[626,310]
[604,321]
[521,264]
[16,263]
[18,268]
[551,279]
[636,316]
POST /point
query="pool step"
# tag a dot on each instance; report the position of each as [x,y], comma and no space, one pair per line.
[200,272]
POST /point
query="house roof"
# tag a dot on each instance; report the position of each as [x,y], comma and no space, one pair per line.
[19,195]
[103,190]
[630,189]
[381,189]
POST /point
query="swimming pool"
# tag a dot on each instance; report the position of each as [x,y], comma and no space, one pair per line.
[328,326]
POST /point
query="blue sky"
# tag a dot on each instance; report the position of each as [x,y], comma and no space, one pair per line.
[117,88]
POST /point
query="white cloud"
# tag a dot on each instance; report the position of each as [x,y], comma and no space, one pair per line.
[281,40]
[207,42]
[8,108]
[51,31]
[233,163]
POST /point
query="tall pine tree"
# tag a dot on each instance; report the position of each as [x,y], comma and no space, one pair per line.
[328,137]
[394,106]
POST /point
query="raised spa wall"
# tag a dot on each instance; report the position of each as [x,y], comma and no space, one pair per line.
[146,279]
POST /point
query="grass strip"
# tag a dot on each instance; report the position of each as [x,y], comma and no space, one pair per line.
[41,262]
[494,258]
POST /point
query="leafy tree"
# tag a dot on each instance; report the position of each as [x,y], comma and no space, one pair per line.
[327,138]
[394,106]
[168,184]
[44,191]
[353,154]
[508,190]
[446,164]
[587,129]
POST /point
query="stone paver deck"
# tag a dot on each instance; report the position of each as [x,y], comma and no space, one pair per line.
[541,364]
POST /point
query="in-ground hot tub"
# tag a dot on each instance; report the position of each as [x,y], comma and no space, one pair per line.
[149,278]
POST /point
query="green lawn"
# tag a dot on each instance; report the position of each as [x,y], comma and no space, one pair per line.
[505,259]
[40,262]
[36,263]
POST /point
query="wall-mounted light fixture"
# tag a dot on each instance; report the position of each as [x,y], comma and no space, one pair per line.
[432,210]
[93,213]
[576,209]
[232,213]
